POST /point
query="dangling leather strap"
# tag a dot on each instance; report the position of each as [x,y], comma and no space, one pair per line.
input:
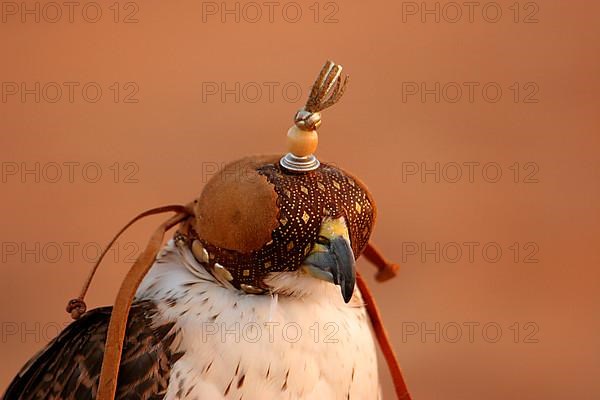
[118,319]
[385,269]
[383,339]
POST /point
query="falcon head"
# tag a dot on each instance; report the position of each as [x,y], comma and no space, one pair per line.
[261,228]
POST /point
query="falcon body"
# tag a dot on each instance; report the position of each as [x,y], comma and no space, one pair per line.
[190,336]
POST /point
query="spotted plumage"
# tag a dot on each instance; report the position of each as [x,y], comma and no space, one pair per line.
[69,367]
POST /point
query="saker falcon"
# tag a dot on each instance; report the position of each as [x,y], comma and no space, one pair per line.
[254,297]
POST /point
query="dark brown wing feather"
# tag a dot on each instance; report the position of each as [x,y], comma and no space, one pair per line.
[69,367]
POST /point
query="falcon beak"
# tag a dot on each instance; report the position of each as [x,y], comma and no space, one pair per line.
[332,259]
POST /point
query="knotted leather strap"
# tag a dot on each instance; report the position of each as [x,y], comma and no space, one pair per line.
[385,269]
[76,307]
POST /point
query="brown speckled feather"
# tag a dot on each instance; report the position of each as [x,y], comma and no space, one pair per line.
[69,367]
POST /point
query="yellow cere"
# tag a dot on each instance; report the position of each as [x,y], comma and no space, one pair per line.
[332,228]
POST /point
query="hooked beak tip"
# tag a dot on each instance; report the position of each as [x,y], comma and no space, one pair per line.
[336,265]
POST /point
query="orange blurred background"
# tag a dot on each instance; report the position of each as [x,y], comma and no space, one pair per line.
[476,127]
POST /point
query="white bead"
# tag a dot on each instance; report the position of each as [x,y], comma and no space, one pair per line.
[199,251]
[223,272]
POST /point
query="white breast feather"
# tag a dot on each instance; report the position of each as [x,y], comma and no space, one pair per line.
[310,345]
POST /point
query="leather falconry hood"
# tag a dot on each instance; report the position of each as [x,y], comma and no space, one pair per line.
[273,218]
[258,215]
